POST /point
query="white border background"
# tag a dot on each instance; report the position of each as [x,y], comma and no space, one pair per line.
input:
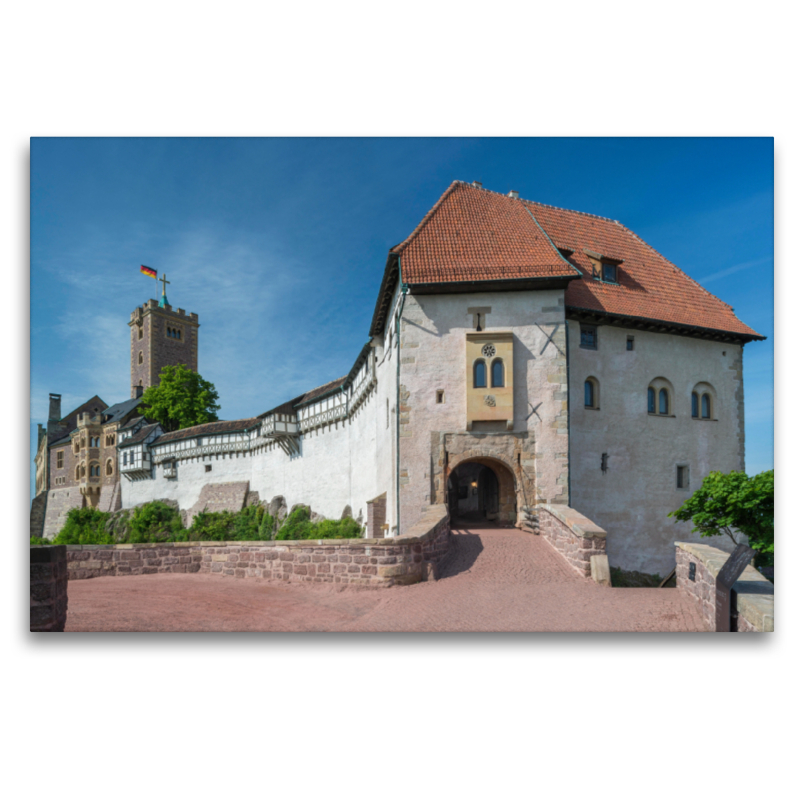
[392,716]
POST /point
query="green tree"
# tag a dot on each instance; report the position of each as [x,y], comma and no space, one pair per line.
[734,502]
[182,399]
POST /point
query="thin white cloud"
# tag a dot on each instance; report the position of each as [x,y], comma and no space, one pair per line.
[723,273]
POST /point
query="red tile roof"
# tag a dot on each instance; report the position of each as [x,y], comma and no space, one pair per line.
[473,234]
[650,286]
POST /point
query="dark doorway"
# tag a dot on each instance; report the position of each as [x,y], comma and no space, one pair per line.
[473,492]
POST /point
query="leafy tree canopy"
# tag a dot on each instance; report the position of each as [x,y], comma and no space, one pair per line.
[734,502]
[182,399]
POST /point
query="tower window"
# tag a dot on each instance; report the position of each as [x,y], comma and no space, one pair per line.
[440,395]
[141,332]
[591,393]
[498,376]
[141,357]
[479,375]
[109,467]
[629,343]
[589,337]
[60,459]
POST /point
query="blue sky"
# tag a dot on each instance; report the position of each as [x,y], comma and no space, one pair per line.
[279,245]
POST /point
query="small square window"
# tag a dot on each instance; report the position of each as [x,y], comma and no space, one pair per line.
[589,337]
[208,467]
[629,343]
[610,273]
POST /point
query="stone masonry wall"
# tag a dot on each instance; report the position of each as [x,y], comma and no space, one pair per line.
[48,588]
[219,497]
[573,535]
[59,503]
[376,517]
[38,509]
[753,593]
[405,559]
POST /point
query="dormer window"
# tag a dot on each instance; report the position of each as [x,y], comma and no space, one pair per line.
[609,273]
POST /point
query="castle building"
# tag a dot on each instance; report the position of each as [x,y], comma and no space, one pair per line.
[77,463]
[518,354]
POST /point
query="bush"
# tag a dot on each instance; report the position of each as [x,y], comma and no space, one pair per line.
[155,522]
[85,526]
[252,523]
[212,526]
[298,525]
[726,503]
[37,541]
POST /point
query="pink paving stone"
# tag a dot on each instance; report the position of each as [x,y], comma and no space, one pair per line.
[497,579]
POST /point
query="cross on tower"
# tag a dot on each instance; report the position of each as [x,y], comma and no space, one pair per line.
[164,283]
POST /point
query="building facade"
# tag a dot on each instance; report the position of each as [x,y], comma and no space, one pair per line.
[518,354]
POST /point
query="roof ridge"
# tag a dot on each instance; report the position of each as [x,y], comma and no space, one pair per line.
[425,220]
[535,202]
[677,268]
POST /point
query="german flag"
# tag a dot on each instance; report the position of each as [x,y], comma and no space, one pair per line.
[147,271]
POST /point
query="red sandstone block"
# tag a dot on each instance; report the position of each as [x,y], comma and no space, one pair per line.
[345,559]
[258,558]
[149,570]
[287,556]
[233,557]
[300,569]
[387,560]
[216,566]
[153,562]
[130,555]
[287,567]
[239,573]
[339,568]
[323,568]
[417,548]
[303,558]
[312,569]
[361,559]
[354,568]
[317,559]
[368,569]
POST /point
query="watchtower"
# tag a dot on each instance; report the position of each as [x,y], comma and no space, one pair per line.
[160,337]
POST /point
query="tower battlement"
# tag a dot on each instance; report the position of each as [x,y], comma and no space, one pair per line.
[160,336]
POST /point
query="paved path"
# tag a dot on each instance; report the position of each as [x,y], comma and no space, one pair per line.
[499,579]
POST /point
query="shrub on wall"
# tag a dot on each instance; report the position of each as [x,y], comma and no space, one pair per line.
[155,522]
[298,525]
[85,526]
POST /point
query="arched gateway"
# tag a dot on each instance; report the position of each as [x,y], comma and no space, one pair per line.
[482,489]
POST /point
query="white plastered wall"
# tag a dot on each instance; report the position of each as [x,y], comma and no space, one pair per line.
[632,498]
[433,353]
[344,463]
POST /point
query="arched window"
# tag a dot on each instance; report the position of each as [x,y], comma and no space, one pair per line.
[663,401]
[109,467]
[179,334]
[705,406]
[591,393]
[141,357]
[77,473]
[141,333]
[479,375]
[498,377]
[695,405]
[651,400]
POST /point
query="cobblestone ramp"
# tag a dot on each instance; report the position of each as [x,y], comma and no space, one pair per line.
[496,579]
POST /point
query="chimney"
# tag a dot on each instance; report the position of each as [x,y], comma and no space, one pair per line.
[513,195]
[55,408]
[477,184]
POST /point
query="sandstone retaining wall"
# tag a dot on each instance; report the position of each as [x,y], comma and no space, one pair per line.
[405,559]
[48,588]
[573,535]
[752,601]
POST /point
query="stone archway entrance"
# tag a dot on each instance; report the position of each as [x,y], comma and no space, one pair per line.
[482,490]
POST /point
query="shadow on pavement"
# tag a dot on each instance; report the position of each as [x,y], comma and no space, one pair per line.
[465,551]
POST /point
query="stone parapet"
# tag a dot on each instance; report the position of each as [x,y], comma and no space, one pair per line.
[48,588]
[573,535]
[405,559]
[753,600]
